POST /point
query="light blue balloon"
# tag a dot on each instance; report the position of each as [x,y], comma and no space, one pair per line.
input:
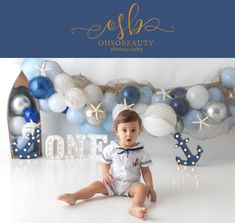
[158,98]
[30,67]
[43,105]
[76,116]
[145,95]
[229,121]
[232,109]
[88,129]
[21,142]
[215,94]
[228,77]
[108,123]
[190,117]
[109,101]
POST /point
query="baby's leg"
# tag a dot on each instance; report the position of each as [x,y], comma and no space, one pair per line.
[85,193]
[139,193]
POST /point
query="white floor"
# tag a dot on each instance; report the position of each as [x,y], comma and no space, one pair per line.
[200,194]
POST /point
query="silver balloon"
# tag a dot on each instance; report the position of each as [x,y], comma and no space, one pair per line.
[216,111]
[94,115]
[19,103]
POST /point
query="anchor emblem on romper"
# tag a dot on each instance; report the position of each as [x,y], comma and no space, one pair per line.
[191,159]
[136,162]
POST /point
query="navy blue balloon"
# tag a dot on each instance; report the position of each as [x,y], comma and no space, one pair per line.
[180,105]
[131,94]
[41,87]
[178,92]
[31,114]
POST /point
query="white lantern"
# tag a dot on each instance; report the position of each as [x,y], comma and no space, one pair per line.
[93,94]
[64,82]
[159,119]
[75,98]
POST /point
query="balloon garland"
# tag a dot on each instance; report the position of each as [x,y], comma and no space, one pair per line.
[202,110]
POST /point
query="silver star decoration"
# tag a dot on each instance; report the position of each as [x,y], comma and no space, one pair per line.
[126,106]
[43,69]
[166,94]
[96,110]
[201,122]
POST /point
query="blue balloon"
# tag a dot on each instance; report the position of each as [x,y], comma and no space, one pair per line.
[31,114]
[178,92]
[108,123]
[232,109]
[30,67]
[88,129]
[43,105]
[41,87]
[180,105]
[109,101]
[76,116]
[131,94]
[228,77]
[145,95]
[215,94]
[229,121]
[158,98]
[21,142]
[190,117]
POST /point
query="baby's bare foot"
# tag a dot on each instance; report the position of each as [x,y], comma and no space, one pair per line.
[68,198]
[138,212]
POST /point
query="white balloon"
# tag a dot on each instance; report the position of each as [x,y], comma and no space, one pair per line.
[16,125]
[197,96]
[75,98]
[159,119]
[29,128]
[93,94]
[56,103]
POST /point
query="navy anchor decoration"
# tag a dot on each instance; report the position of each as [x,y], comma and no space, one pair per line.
[26,152]
[191,159]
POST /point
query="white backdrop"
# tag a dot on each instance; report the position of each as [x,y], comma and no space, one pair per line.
[162,73]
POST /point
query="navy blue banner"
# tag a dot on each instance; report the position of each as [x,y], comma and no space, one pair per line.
[117,28]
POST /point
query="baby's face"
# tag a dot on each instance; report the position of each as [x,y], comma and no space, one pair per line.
[128,133]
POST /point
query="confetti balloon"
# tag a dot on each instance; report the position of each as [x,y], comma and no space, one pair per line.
[197,96]
[159,119]
[75,98]
[93,94]
[131,94]
[228,77]
[16,125]
[216,111]
[19,103]
[41,87]
[56,103]
[109,101]
[31,66]
[31,114]
[64,82]
[94,118]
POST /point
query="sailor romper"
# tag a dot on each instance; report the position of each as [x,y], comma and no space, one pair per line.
[125,166]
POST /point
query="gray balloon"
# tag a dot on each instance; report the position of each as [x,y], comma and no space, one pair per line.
[91,116]
[19,103]
[216,111]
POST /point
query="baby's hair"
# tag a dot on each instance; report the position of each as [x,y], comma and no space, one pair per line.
[127,116]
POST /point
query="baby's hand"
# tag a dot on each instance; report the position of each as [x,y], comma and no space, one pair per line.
[152,194]
[107,178]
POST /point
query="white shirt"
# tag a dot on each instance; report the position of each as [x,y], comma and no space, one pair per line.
[125,164]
